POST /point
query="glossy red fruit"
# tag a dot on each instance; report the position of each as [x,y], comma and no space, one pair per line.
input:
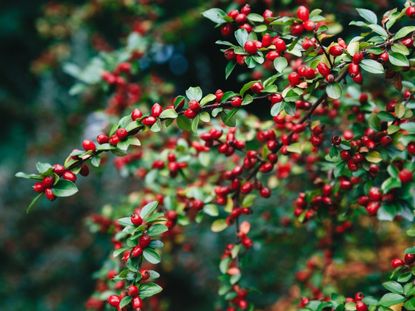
[194,105]
[156,110]
[68,175]
[84,170]
[409,259]
[189,113]
[114,140]
[353,70]
[136,114]
[250,47]
[102,139]
[357,57]
[38,187]
[49,194]
[136,219]
[303,13]
[236,101]
[297,29]
[361,306]
[336,50]
[275,98]
[309,25]
[280,45]
[136,252]
[88,145]
[121,133]
[48,181]
[294,78]
[257,87]
[226,30]
[114,300]
[405,176]
[411,148]
[149,121]
[58,169]
[145,240]
[396,262]
[410,11]
[323,69]
[372,208]
[132,291]
[137,303]
[375,194]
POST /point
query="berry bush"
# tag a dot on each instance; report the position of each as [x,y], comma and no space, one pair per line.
[287,200]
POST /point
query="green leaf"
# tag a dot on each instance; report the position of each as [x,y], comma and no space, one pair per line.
[229,119]
[64,188]
[374,122]
[229,68]
[379,30]
[194,93]
[215,15]
[219,225]
[280,63]
[368,15]
[408,126]
[403,32]
[390,184]
[33,202]
[43,168]
[28,176]
[151,255]
[334,90]
[410,250]
[125,221]
[195,123]
[156,230]
[148,209]
[398,59]
[211,210]
[372,66]
[246,87]
[207,99]
[391,299]
[295,148]
[277,108]
[149,289]
[393,287]
[253,17]
[374,157]
[125,301]
[184,123]
[168,114]
[241,36]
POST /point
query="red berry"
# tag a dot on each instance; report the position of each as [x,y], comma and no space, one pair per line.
[156,110]
[88,145]
[257,87]
[102,139]
[132,291]
[59,169]
[137,303]
[279,45]
[384,57]
[396,262]
[375,194]
[323,69]
[84,170]
[114,300]
[114,140]
[145,240]
[410,11]
[68,175]
[336,50]
[48,181]
[49,194]
[136,114]
[409,259]
[136,219]
[136,252]
[236,101]
[121,133]
[149,121]
[405,176]
[189,113]
[372,208]
[297,29]
[309,25]
[361,306]
[303,13]
[294,78]
[194,105]
[226,30]
[275,98]
[411,148]
[250,47]
[353,69]
[38,187]
[357,57]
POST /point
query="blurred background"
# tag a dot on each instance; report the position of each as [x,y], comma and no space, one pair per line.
[48,256]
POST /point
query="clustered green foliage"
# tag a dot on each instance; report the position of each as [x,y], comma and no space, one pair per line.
[204,158]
